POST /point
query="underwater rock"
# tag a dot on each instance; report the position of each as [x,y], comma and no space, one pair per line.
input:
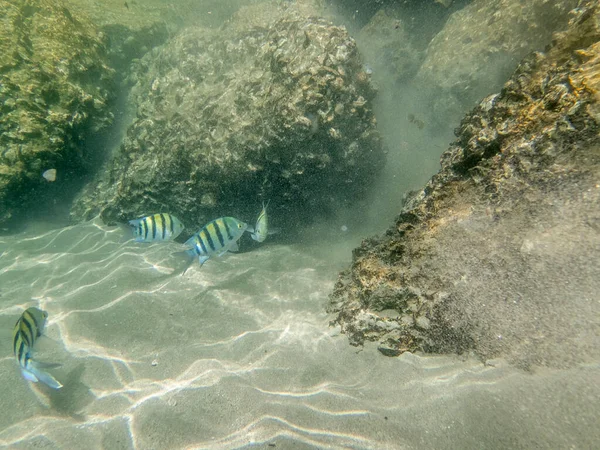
[480,46]
[387,46]
[132,28]
[55,86]
[499,254]
[241,115]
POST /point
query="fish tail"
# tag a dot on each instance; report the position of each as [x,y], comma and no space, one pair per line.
[188,255]
[35,368]
[128,232]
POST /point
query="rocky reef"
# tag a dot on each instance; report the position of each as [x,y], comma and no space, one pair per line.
[55,86]
[388,45]
[499,254]
[228,118]
[479,47]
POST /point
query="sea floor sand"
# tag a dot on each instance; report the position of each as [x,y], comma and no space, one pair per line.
[239,354]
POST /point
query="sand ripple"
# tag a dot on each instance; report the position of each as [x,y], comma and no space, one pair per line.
[239,354]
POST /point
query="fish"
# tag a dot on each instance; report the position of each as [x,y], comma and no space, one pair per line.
[50,175]
[216,238]
[261,229]
[414,120]
[157,227]
[28,328]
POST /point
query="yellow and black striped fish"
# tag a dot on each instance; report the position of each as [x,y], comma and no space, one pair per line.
[216,238]
[158,227]
[28,328]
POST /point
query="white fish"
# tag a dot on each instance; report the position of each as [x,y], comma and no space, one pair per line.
[50,174]
[261,229]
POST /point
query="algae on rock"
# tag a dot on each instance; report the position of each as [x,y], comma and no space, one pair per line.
[500,253]
[480,46]
[55,86]
[229,118]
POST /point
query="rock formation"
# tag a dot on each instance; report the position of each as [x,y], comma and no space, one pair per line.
[499,254]
[229,118]
[480,46]
[55,86]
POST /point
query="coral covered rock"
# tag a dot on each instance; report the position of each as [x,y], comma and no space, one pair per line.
[385,41]
[480,46]
[499,253]
[55,86]
[228,118]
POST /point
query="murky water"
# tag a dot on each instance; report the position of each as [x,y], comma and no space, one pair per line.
[239,354]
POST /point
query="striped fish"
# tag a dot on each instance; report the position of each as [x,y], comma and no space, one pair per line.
[155,228]
[216,238]
[28,328]
[261,230]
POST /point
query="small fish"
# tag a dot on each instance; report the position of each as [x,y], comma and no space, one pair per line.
[50,175]
[446,3]
[28,328]
[216,238]
[261,229]
[158,227]
[414,120]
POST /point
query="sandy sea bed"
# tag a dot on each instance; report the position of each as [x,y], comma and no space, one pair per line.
[239,354]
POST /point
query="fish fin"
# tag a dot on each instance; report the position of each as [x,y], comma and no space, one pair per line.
[189,253]
[36,372]
[274,231]
[250,229]
[29,376]
[202,259]
[234,247]
[127,231]
[255,237]
[45,365]
[189,257]
[135,222]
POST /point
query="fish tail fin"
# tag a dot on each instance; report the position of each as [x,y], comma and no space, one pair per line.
[127,230]
[35,369]
[188,256]
[134,223]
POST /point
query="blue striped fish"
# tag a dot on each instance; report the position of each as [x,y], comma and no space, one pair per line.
[155,228]
[216,238]
[28,328]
